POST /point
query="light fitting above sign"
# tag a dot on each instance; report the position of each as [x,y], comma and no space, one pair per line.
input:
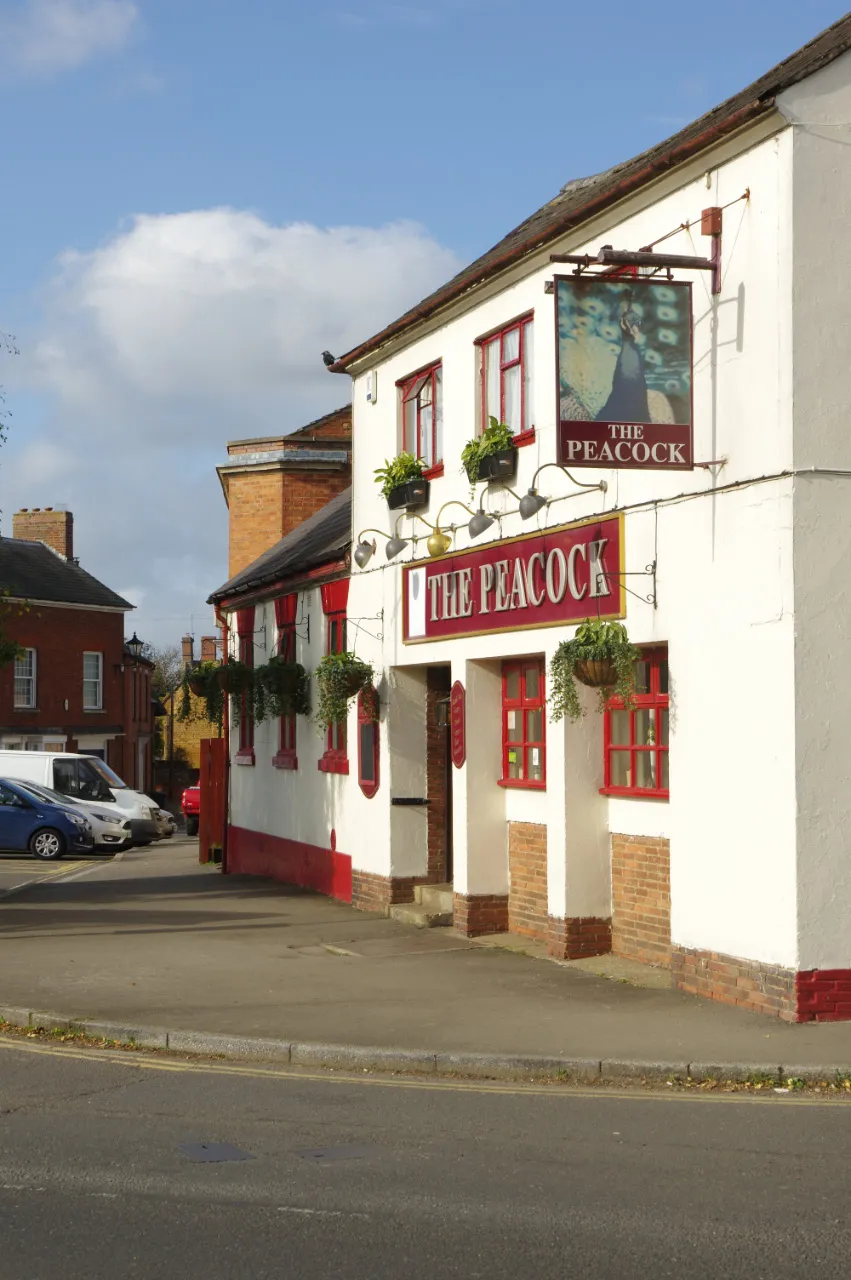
[624,380]
[561,576]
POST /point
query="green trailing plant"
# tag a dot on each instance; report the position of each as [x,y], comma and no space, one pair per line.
[280,688]
[339,678]
[235,677]
[496,437]
[198,678]
[202,683]
[600,655]
[398,471]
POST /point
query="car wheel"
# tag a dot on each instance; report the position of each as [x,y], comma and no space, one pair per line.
[192,826]
[48,845]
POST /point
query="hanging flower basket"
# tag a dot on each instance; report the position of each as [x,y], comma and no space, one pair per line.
[283,689]
[197,682]
[235,677]
[596,673]
[339,678]
[600,655]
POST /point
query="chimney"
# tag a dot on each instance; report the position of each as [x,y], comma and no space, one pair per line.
[56,528]
[273,484]
[187,651]
[209,648]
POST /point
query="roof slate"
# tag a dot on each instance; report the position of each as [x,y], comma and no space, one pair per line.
[320,539]
[582,198]
[31,571]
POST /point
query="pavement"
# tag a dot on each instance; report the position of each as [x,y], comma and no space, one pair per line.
[153,947]
[135,1165]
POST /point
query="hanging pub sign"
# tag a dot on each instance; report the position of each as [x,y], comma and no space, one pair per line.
[624,372]
[561,576]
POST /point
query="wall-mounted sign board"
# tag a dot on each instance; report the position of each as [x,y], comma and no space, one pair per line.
[561,576]
[458,724]
[624,372]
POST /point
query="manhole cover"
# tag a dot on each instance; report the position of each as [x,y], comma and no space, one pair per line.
[213,1152]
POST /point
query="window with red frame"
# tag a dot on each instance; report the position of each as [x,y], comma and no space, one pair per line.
[368,746]
[636,739]
[505,374]
[245,631]
[524,746]
[285,616]
[336,643]
[422,415]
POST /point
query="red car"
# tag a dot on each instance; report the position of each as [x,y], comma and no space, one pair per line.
[190,803]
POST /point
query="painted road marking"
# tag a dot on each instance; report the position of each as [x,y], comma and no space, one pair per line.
[135,1058]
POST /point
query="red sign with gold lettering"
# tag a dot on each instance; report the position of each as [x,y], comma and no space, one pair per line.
[561,576]
[458,724]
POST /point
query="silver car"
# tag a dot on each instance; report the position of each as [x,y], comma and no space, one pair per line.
[110,830]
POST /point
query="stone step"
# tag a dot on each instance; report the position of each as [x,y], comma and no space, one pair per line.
[420,917]
[435,897]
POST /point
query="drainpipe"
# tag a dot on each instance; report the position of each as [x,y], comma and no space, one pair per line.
[221,619]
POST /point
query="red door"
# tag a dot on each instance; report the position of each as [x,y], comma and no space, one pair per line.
[213,783]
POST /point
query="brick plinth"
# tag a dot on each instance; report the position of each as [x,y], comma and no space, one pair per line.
[372,892]
[437,787]
[764,988]
[823,995]
[527,872]
[480,913]
[641,898]
[573,938]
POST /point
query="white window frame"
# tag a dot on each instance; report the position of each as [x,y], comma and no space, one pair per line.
[88,705]
[32,677]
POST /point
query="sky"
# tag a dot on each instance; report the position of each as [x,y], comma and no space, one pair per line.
[200,196]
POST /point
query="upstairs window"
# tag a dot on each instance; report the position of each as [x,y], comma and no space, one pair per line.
[636,740]
[92,681]
[422,415]
[25,679]
[505,376]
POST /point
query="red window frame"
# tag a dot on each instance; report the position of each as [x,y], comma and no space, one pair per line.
[285,612]
[368,727]
[410,388]
[245,653]
[335,759]
[518,739]
[525,433]
[650,708]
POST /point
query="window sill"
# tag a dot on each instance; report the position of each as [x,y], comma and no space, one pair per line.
[245,756]
[333,762]
[521,784]
[27,710]
[635,793]
[433,473]
[368,788]
[524,437]
[93,711]
[285,760]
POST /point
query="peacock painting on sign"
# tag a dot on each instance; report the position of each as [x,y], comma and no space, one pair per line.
[624,372]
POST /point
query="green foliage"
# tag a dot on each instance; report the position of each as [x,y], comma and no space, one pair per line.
[204,683]
[496,437]
[339,678]
[594,642]
[235,677]
[397,471]
[280,688]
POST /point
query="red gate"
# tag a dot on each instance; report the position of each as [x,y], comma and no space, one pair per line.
[213,816]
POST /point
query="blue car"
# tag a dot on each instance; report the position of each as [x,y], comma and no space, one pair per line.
[47,830]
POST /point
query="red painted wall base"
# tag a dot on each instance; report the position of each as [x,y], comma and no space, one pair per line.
[823,995]
[253,853]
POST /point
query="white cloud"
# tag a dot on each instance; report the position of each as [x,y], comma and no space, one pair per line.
[44,37]
[180,333]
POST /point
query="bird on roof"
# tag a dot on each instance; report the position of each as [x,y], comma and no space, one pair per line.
[328,358]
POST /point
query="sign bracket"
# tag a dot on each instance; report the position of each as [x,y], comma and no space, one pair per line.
[649,571]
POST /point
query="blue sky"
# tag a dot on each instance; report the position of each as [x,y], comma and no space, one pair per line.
[155,156]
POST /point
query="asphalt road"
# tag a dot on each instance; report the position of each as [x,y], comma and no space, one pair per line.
[373,1180]
[20,869]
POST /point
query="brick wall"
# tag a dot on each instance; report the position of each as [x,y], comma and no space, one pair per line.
[56,528]
[527,879]
[371,892]
[641,899]
[266,505]
[763,988]
[437,755]
[578,936]
[477,914]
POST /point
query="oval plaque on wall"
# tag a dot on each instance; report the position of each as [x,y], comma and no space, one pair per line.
[458,724]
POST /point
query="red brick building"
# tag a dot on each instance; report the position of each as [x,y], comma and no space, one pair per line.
[75,686]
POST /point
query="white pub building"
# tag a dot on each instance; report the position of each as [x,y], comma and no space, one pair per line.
[668,343]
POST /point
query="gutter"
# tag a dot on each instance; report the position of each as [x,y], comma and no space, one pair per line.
[655,169]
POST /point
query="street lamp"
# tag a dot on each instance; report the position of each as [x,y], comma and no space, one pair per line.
[134,646]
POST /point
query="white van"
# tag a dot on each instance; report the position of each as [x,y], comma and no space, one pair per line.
[88,781]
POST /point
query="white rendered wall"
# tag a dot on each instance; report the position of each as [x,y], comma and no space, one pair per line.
[820,112]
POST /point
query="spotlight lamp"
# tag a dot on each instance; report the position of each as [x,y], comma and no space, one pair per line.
[439,542]
[480,521]
[532,501]
[395,546]
[364,552]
